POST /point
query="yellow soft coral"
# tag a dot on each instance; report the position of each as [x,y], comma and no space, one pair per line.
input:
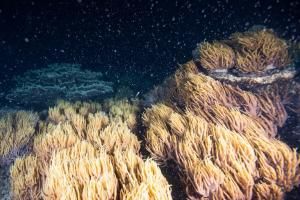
[260,50]
[26,178]
[80,153]
[74,171]
[215,55]
[122,110]
[16,130]
[222,138]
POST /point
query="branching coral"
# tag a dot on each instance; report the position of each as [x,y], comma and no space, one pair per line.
[215,55]
[16,130]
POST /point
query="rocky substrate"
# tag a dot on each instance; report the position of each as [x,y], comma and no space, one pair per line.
[4,183]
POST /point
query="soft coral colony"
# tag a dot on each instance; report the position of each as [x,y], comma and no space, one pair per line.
[82,153]
[207,118]
[222,137]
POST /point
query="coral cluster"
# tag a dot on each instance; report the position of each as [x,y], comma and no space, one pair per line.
[16,130]
[42,87]
[263,63]
[222,138]
[260,51]
[178,90]
[251,51]
[216,55]
[123,110]
[81,153]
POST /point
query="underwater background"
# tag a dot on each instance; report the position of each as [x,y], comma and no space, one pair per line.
[134,43]
[122,49]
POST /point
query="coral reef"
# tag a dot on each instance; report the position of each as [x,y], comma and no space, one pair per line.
[216,120]
[16,130]
[42,87]
[81,153]
[221,137]
[218,116]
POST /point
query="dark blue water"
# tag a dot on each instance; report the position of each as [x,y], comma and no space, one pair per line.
[136,42]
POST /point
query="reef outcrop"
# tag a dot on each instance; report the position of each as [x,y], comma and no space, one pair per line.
[43,87]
